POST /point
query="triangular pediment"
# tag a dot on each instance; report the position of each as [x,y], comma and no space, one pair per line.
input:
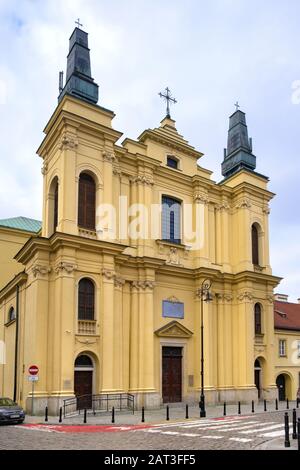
[174,329]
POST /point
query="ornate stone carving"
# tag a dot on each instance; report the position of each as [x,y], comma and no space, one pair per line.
[143,179]
[173,256]
[117,171]
[64,266]
[224,296]
[108,156]
[108,274]
[223,206]
[119,281]
[39,269]
[86,341]
[270,299]
[174,329]
[68,141]
[142,285]
[266,209]
[245,296]
[44,168]
[172,298]
[201,198]
[243,204]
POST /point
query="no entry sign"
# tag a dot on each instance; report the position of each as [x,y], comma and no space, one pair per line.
[33,370]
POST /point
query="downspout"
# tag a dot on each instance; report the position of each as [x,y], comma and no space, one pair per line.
[16,344]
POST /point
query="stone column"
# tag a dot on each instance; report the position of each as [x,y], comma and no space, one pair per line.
[118,334]
[134,335]
[108,338]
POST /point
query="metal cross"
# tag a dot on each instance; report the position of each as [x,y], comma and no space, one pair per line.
[237,105]
[168,98]
[78,23]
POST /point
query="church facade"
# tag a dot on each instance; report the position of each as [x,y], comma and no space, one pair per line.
[136,238]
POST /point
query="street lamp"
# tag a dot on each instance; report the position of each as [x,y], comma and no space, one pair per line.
[205,296]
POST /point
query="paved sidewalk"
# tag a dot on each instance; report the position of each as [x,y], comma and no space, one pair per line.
[277,444]
[176,412]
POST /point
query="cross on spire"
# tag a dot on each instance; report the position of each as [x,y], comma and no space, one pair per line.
[168,98]
[78,23]
[237,105]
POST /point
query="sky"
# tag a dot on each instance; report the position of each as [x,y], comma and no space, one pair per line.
[210,54]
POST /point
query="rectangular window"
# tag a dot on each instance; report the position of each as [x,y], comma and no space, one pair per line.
[282,347]
[172,162]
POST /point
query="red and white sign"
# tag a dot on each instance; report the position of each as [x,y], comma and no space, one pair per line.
[33,370]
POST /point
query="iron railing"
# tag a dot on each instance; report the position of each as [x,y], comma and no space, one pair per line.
[98,403]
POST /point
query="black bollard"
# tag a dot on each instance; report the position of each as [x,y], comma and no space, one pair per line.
[265,405]
[224,409]
[298,426]
[46,413]
[253,406]
[239,408]
[113,414]
[287,404]
[60,415]
[167,411]
[294,424]
[143,414]
[84,416]
[298,402]
[276,404]
[186,411]
[286,430]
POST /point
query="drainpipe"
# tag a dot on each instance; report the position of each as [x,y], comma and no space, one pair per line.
[16,344]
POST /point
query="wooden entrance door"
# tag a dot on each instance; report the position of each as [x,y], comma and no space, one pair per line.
[83,388]
[280,382]
[172,374]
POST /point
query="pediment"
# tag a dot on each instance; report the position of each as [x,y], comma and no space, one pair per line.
[174,329]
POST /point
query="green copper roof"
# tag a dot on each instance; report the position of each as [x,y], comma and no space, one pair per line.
[22,223]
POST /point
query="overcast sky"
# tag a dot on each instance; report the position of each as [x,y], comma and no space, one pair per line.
[209,53]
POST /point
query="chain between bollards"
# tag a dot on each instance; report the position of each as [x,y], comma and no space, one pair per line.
[60,415]
[286,431]
[113,414]
[46,413]
[167,413]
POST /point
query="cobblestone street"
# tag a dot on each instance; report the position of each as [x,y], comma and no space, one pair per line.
[262,430]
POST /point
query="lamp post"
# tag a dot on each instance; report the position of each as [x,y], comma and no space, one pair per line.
[205,296]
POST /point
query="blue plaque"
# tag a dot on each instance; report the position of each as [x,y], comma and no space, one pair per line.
[172,309]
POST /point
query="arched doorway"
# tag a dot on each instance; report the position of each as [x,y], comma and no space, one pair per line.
[83,381]
[284,385]
[257,377]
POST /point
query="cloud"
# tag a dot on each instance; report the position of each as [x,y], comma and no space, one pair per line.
[209,53]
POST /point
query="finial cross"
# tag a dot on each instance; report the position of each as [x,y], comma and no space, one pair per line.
[237,105]
[78,23]
[168,98]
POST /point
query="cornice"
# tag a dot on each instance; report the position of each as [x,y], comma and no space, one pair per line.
[20,278]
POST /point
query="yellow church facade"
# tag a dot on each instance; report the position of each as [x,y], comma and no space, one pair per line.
[110,296]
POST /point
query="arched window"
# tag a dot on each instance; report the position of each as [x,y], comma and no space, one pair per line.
[55,211]
[87,202]
[257,319]
[83,361]
[171,229]
[86,300]
[255,247]
[11,314]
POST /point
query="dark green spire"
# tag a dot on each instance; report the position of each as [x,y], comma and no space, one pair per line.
[238,154]
[79,81]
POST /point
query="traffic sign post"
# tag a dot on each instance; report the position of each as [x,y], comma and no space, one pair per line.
[33,377]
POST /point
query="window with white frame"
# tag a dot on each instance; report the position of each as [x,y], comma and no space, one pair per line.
[171,227]
[298,344]
[282,347]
